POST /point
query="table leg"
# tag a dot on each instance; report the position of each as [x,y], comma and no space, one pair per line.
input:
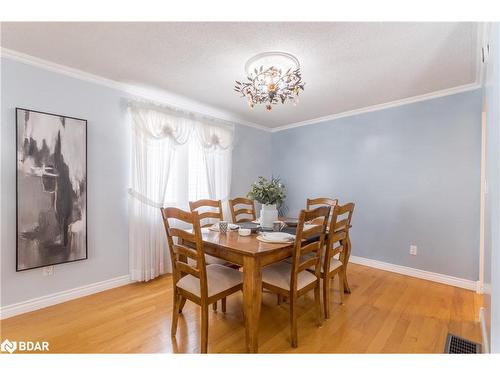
[252,300]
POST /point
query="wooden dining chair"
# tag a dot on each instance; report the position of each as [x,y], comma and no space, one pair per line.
[337,243]
[200,283]
[312,203]
[207,209]
[241,214]
[346,211]
[293,280]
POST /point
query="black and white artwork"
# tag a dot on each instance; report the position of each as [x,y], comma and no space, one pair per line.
[51,189]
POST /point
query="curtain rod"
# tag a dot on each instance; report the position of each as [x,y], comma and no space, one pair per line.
[169,109]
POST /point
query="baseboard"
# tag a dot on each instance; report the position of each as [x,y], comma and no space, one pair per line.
[414,272]
[67,295]
[484,333]
[55,298]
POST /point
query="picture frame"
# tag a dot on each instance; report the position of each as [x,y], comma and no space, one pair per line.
[51,189]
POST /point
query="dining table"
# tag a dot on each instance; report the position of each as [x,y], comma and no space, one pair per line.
[252,255]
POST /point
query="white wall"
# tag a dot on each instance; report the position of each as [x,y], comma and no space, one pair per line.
[492,204]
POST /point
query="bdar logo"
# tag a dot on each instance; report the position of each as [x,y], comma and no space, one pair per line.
[24,346]
[8,346]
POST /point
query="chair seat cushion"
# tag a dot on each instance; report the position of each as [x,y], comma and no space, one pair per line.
[279,275]
[208,260]
[213,260]
[334,264]
[219,279]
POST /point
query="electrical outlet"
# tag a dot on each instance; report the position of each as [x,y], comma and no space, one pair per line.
[413,249]
[48,271]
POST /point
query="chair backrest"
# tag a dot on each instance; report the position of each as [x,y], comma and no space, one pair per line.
[179,253]
[205,209]
[309,241]
[248,211]
[338,233]
[320,202]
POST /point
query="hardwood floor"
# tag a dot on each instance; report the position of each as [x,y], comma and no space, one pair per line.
[386,313]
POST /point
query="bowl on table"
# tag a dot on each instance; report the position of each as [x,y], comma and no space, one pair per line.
[244,231]
[291,222]
[250,225]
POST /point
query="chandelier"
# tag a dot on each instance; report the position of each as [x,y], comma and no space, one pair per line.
[272,78]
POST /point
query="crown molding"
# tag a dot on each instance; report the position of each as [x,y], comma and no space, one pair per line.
[482,31]
[184,103]
[159,96]
[378,107]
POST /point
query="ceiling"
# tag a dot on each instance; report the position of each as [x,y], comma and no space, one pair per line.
[346,66]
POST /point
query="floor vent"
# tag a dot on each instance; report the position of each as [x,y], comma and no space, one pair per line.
[459,345]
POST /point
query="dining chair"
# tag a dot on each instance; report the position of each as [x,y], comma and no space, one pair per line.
[242,214]
[312,203]
[346,211]
[293,280]
[200,283]
[207,209]
[315,202]
[337,243]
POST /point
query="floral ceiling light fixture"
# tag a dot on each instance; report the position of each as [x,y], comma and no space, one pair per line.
[272,77]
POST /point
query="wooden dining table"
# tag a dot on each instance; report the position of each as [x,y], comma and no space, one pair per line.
[252,255]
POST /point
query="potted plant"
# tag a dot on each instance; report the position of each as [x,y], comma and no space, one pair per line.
[271,194]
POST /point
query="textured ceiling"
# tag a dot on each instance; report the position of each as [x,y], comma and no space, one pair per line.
[346,66]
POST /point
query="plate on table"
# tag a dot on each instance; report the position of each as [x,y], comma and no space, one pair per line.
[276,237]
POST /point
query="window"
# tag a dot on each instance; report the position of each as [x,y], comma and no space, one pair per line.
[188,175]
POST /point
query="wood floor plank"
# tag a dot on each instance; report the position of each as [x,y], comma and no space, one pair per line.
[386,313]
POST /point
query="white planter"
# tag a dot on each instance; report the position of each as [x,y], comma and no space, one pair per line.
[268,214]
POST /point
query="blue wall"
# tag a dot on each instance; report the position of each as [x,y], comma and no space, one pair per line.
[413,172]
[108,162]
[33,88]
[251,158]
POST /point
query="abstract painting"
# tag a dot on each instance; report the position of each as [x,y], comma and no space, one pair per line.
[51,189]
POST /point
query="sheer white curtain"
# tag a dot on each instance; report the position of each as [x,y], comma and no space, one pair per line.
[175,158]
[216,144]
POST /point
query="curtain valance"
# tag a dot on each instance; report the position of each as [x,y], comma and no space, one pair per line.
[159,123]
